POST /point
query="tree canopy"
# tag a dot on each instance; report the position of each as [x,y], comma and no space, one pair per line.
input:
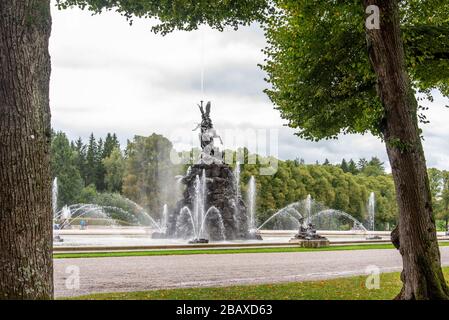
[180,14]
[319,69]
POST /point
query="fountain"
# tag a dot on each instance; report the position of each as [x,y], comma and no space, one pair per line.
[371,216]
[212,207]
[309,211]
[307,235]
[308,216]
[164,217]
[254,234]
[308,207]
[54,202]
[371,210]
[68,214]
[162,225]
[54,196]
[252,204]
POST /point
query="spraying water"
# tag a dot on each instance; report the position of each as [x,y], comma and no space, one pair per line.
[308,208]
[237,178]
[203,189]
[164,218]
[237,192]
[371,210]
[66,214]
[199,203]
[307,211]
[252,204]
[54,196]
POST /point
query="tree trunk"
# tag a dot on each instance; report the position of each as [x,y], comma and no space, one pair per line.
[26,268]
[416,234]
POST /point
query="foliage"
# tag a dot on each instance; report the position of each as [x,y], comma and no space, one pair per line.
[318,67]
[180,14]
[114,166]
[149,173]
[439,185]
[64,166]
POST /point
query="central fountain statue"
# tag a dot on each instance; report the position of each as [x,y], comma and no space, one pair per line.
[212,207]
[210,154]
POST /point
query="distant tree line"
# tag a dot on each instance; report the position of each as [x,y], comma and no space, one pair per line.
[98,170]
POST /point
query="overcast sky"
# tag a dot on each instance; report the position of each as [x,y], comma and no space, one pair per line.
[108,76]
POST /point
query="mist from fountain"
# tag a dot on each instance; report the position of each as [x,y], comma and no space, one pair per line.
[145,214]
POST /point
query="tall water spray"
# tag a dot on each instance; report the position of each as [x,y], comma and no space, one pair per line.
[199,203]
[252,204]
[203,189]
[54,196]
[237,178]
[66,213]
[237,192]
[308,208]
[371,210]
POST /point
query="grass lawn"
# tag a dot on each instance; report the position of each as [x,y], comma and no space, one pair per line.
[221,251]
[336,289]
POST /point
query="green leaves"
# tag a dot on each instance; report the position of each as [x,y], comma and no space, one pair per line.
[179,14]
[318,68]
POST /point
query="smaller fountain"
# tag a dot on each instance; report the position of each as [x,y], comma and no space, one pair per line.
[307,236]
[162,226]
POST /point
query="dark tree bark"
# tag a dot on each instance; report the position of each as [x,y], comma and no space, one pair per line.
[26,269]
[416,234]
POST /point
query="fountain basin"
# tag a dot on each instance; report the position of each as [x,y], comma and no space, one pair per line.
[195,241]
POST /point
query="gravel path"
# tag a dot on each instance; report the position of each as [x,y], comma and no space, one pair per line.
[158,272]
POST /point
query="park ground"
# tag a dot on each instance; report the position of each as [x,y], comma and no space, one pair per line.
[311,274]
[351,288]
